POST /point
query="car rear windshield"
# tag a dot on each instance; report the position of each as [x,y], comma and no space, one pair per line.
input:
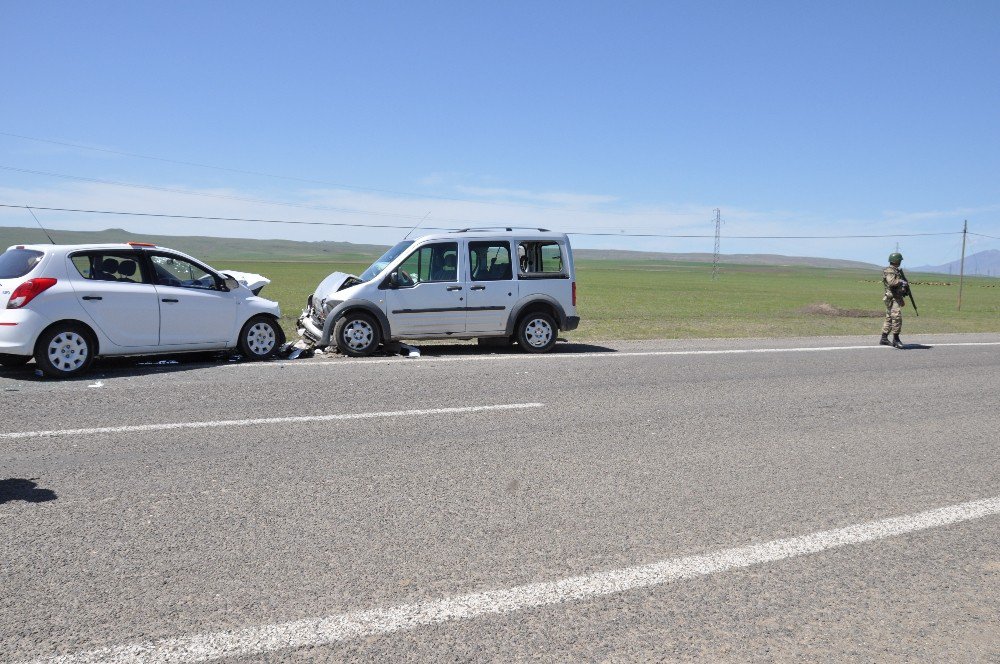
[16,263]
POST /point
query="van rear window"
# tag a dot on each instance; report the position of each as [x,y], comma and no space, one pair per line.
[540,260]
[16,263]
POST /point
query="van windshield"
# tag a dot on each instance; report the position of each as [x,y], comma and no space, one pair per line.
[384,261]
[16,263]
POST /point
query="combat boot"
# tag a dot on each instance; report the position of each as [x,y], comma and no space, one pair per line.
[884,341]
[896,341]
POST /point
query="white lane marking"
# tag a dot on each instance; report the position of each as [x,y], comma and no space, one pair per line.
[610,354]
[264,420]
[340,627]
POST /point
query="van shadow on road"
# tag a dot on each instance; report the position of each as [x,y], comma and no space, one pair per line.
[21,489]
[438,349]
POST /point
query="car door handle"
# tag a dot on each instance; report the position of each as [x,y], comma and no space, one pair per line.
[478,288]
[169,299]
[454,288]
[92,297]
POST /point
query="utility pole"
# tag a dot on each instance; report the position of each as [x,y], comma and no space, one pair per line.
[715,257]
[961,267]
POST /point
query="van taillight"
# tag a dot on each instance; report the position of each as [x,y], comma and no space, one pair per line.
[27,291]
[574,293]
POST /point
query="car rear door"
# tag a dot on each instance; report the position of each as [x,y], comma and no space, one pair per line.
[115,291]
[194,309]
[492,289]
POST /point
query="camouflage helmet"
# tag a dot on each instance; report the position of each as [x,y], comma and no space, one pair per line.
[895,258]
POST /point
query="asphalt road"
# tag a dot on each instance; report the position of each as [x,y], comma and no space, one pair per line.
[607,458]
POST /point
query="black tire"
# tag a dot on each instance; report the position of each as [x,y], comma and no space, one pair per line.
[65,350]
[13,361]
[357,334]
[260,338]
[537,332]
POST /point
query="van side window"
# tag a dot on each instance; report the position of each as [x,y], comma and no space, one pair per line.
[540,260]
[109,266]
[430,263]
[490,261]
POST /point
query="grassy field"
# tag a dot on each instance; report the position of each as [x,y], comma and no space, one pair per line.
[660,299]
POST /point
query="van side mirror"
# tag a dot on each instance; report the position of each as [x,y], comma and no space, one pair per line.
[394,279]
[230,284]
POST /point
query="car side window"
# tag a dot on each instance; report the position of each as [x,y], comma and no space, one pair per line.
[176,271]
[430,263]
[120,266]
[490,261]
[540,260]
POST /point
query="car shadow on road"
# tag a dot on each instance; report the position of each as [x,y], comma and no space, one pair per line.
[117,367]
[21,489]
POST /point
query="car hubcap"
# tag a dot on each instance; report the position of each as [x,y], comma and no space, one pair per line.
[538,332]
[261,339]
[358,335]
[68,351]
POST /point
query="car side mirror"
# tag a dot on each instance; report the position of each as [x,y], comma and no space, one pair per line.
[230,284]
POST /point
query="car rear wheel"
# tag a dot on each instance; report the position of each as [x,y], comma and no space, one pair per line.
[537,332]
[261,338]
[357,334]
[65,350]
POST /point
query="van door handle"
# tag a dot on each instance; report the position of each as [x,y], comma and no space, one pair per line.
[454,288]
[92,297]
[478,288]
[169,299]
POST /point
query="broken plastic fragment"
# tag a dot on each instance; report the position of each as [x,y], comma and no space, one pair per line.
[97,384]
[411,351]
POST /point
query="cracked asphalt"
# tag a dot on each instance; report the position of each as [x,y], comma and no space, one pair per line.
[112,538]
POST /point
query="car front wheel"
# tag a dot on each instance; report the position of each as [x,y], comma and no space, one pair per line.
[65,350]
[537,332]
[357,334]
[260,338]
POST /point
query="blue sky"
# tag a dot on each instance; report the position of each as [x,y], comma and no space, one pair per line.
[793,118]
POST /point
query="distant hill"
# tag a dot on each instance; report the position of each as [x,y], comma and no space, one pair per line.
[740,259]
[206,248]
[983,264]
[218,249]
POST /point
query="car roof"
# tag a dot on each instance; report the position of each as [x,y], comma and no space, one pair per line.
[66,248]
[505,232]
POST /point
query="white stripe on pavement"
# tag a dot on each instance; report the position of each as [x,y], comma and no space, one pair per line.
[264,420]
[332,629]
[610,354]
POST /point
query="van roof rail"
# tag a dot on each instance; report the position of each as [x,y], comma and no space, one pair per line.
[503,228]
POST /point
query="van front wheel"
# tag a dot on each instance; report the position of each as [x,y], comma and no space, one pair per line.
[537,332]
[357,334]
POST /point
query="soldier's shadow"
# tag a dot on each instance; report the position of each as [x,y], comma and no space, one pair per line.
[916,347]
[17,488]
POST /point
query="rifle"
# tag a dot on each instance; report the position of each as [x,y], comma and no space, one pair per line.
[909,292]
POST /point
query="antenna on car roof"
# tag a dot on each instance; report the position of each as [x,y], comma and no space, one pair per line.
[418,223]
[40,224]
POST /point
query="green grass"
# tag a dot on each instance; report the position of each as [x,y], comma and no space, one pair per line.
[659,299]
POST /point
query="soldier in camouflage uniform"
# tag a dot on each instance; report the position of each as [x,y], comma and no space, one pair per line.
[896,289]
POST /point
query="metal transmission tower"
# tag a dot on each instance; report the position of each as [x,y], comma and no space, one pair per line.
[715,256]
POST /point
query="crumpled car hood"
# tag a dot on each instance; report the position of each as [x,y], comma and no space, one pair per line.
[333,283]
[255,282]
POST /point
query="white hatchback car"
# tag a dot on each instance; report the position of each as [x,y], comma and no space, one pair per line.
[508,286]
[64,305]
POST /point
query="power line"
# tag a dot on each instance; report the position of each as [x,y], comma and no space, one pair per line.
[391,226]
[992,237]
[339,185]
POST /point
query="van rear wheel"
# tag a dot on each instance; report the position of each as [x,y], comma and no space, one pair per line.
[537,332]
[357,334]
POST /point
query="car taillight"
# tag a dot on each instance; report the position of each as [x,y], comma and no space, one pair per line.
[574,293]
[27,291]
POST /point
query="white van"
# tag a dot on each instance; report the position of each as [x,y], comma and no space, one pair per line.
[512,285]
